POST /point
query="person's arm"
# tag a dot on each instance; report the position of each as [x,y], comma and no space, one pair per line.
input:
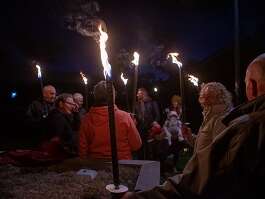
[33,114]
[134,138]
[76,121]
[218,127]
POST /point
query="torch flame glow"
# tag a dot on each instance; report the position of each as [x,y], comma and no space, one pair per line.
[104,55]
[39,70]
[124,79]
[194,80]
[83,77]
[136,56]
[174,59]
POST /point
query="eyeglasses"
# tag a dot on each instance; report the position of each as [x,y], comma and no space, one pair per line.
[73,104]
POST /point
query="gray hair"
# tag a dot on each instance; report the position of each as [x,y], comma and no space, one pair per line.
[223,96]
[76,95]
[62,98]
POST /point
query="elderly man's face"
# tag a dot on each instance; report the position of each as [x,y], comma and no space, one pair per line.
[67,106]
[254,87]
[49,94]
[79,100]
[207,97]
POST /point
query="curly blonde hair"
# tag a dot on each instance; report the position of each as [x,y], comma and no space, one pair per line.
[223,96]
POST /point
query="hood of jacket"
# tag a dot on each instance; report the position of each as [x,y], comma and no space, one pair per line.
[98,115]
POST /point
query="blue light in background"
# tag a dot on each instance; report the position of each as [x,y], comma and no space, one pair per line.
[13,94]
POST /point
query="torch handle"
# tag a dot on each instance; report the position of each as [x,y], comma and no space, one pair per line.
[134,88]
[114,154]
[86,97]
[182,94]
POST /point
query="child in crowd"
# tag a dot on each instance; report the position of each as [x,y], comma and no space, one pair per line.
[172,128]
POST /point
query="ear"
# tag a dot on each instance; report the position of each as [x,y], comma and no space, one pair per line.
[254,88]
[261,88]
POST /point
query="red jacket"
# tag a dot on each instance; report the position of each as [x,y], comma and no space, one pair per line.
[94,136]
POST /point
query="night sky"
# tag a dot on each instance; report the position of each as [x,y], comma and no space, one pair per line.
[201,31]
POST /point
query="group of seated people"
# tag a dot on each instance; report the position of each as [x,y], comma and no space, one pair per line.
[67,130]
[228,157]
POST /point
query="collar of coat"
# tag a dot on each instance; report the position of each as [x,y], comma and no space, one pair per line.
[255,105]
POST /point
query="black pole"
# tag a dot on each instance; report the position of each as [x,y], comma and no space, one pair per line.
[114,154]
[237,52]
[86,97]
[46,111]
[134,88]
[41,84]
[127,99]
[182,94]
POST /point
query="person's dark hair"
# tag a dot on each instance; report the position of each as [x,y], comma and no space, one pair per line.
[101,94]
[61,98]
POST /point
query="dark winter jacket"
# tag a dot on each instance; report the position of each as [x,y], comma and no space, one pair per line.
[37,111]
[64,126]
[151,113]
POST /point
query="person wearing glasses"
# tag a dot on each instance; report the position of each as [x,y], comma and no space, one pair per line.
[79,100]
[61,127]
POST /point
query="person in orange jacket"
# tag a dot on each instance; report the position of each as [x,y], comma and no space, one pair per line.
[94,136]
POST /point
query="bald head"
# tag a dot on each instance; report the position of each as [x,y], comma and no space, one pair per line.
[49,93]
[255,78]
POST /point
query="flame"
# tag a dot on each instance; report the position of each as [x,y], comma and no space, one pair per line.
[174,59]
[135,60]
[39,70]
[194,80]
[83,77]
[104,55]
[124,79]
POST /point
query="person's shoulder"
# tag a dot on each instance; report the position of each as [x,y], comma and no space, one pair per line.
[122,112]
[123,115]
[36,102]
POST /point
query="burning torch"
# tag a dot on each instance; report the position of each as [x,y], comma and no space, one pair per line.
[181,83]
[116,187]
[194,80]
[39,76]
[86,91]
[135,62]
[124,80]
